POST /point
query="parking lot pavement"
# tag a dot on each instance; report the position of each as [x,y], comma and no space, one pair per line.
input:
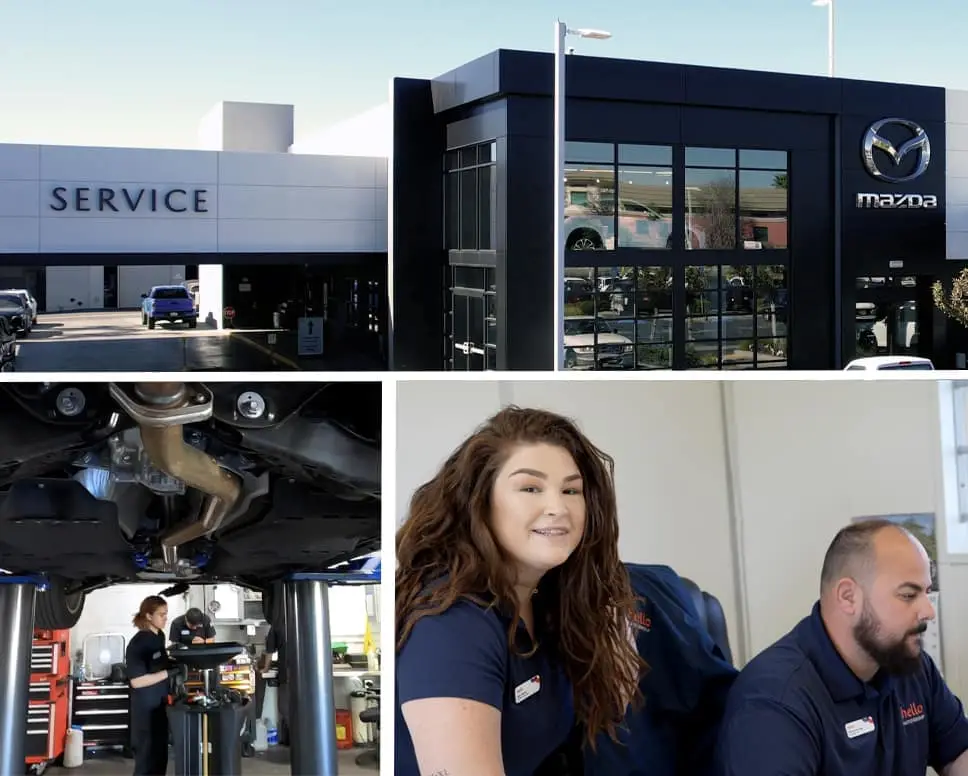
[117,342]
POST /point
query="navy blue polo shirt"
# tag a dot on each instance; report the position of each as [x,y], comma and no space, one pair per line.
[798,710]
[685,690]
[464,653]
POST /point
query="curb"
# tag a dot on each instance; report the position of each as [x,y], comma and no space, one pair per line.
[266,351]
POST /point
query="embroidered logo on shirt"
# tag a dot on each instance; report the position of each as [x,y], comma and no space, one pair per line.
[913,712]
[641,621]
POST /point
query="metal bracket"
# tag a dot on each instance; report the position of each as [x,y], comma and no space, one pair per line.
[338,578]
[38,580]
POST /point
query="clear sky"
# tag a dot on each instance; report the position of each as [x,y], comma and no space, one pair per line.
[138,73]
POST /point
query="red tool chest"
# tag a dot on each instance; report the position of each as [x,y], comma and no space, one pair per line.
[48,708]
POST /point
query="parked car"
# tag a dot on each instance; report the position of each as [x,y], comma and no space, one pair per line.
[29,298]
[8,346]
[168,303]
[14,308]
[883,363]
[591,342]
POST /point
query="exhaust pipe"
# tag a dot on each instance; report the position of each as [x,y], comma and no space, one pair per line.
[169,407]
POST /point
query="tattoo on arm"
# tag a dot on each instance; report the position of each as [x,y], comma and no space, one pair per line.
[444,772]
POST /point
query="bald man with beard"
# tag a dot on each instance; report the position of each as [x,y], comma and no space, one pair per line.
[850,691]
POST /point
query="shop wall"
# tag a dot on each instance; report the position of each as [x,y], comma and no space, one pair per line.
[110,610]
[246,202]
[764,473]
[74,288]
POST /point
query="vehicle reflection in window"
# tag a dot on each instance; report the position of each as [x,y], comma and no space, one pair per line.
[592,343]
[886,329]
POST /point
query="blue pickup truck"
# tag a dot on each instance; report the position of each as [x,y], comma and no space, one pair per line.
[168,303]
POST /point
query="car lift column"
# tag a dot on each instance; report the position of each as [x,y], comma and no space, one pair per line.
[17,596]
[312,720]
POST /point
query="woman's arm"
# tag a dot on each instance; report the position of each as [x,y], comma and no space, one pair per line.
[147,680]
[455,737]
[451,687]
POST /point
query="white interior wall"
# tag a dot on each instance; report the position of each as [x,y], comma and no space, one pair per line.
[111,610]
[751,527]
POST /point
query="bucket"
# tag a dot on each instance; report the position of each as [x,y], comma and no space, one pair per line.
[344,729]
[261,736]
[74,748]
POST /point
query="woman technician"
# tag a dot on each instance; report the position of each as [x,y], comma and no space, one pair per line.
[513,610]
[148,669]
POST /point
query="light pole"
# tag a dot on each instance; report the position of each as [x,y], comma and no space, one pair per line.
[561,33]
[830,32]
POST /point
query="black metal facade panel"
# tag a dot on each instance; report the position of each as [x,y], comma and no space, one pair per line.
[417,240]
[476,80]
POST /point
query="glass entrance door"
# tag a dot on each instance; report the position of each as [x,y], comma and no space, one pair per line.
[472,345]
[886,319]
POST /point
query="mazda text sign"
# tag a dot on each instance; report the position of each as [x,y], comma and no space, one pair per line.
[897,201]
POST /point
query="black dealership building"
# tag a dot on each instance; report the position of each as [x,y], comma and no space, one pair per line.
[714,219]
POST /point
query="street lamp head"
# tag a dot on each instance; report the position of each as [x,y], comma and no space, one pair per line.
[594,34]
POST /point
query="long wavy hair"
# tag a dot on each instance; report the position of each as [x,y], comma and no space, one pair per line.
[446,551]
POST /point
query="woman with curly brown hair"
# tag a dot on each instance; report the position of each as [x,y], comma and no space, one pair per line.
[513,609]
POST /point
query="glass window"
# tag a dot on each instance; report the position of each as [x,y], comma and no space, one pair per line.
[468,156]
[645,207]
[763,202]
[736,317]
[711,208]
[589,207]
[468,209]
[579,292]
[470,198]
[645,154]
[710,157]
[452,211]
[486,208]
[487,153]
[763,160]
[702,317]
[594,153]
[653,318]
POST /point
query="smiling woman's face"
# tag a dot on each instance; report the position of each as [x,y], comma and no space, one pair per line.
[538,508]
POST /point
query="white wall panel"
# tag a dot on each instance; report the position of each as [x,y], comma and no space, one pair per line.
[19,199]
[19,162]
[298,203]
[128,165]
[19,235]
[133,281]
[127,235]
[255,236]
[255,201]
[956,173]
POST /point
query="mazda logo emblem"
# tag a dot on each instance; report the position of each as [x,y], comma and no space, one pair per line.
[919,143]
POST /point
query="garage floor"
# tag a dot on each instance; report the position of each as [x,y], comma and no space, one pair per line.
[275,762]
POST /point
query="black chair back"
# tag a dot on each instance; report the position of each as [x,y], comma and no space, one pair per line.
[711,615]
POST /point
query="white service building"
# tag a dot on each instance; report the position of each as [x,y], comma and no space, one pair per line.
[95,228]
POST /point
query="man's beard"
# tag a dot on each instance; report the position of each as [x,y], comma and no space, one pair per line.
[893,656]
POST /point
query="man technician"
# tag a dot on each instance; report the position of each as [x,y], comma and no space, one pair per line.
[850,691]
[193,627]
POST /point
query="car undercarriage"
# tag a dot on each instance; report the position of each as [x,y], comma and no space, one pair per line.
[248,483]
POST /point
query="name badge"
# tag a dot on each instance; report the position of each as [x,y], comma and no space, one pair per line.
[860,727]
[185,633]
[526,689]
[156,656]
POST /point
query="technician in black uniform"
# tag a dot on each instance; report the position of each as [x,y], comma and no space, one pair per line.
[193,627]
[149,668]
